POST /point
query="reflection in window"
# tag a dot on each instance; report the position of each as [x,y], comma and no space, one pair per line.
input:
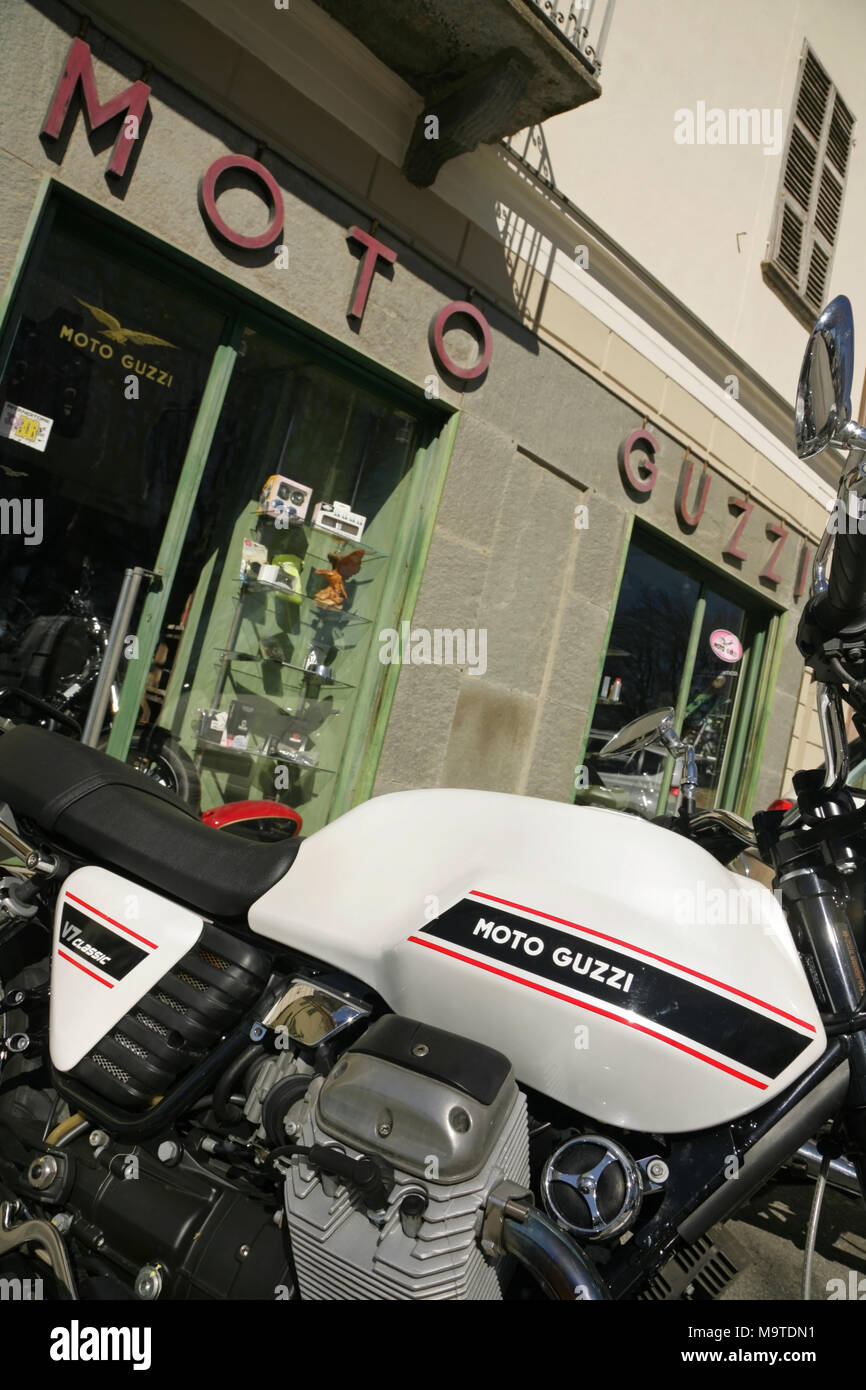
[672,630]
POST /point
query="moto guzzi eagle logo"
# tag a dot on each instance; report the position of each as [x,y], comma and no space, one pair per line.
[114,330]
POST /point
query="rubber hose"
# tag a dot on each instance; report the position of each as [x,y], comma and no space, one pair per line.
[223,1089]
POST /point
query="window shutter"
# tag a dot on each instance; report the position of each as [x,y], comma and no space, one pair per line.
[806,221]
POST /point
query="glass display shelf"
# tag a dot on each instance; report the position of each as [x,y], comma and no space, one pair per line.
[320,543]
[203,745]
[310,610]
[332,684]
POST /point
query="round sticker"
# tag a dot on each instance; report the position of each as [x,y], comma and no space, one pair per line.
[726,645]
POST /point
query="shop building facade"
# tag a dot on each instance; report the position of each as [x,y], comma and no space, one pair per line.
[565,520]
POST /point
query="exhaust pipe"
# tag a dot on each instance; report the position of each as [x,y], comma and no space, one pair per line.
[551,1257]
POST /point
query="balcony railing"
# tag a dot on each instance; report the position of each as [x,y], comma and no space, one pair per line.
[582,24]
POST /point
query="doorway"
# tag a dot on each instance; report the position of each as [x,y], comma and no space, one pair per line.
[684,637]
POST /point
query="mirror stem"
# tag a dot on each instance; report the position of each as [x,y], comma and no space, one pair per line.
[689,786]
[832,722]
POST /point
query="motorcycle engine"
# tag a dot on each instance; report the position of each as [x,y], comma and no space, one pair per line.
[428,1124]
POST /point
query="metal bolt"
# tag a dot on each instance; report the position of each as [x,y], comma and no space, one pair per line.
[18,1042]
[657,1170]
[243,1251]
[384,1128]
[42,1172]
[169,1151]
[291,1128]
[148,1282]
[97,1139]
[420,1050]
[63,1221]
[459,1120]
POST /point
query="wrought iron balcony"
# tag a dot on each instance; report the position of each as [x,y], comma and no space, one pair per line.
[583,24]
[484,68]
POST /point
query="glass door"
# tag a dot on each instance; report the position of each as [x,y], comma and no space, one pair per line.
[683,637]
[103,367]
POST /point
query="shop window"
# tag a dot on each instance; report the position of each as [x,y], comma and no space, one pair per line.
[274,612]
[684,638]
[266,481]
[101,376]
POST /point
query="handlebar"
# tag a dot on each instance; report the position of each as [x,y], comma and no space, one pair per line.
[844,605]
[42,707]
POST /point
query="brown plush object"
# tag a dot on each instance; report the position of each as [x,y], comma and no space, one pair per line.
[334,593]
[347,565]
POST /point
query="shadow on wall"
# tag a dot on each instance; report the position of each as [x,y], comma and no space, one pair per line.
[528,252]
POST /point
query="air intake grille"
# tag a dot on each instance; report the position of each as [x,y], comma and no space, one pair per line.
[192,980]
[176,1023]
[170,1003]
[111,1067]
[147,1022]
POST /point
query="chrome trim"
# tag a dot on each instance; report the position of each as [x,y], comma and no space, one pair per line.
[729,821]
[553,1259]
[832,722]
[586,1185]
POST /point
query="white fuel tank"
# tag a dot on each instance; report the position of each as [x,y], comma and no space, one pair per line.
[623,970]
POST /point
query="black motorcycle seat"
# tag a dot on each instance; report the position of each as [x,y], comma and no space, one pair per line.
[128,822]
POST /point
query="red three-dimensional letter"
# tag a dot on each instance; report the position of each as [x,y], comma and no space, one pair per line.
[774,528]
[746,507]
[376,250]
[691,519]
[805,557]
[649,444]
[461,308]
[133,100]
[272,192]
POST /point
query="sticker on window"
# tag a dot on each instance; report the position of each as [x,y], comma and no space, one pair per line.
[25,426]
[726,645]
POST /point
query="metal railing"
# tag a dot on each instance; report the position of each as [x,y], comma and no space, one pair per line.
[582,24]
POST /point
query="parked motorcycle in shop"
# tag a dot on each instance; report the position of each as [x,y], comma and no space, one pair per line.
[47,678]
[455,1045]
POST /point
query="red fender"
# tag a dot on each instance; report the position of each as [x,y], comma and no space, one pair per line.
[237,813]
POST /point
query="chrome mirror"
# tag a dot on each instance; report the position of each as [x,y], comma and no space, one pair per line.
[823,413]
[647,729]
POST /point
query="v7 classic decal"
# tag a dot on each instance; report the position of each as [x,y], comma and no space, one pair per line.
[95,946]
[617,975]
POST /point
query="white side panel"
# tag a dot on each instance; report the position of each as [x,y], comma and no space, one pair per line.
[113,940]
[623,970]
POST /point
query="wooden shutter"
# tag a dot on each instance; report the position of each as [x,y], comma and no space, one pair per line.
[806,221]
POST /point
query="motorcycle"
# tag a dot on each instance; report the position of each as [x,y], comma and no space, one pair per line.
[48,672]
[47,678]
[445,1047]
